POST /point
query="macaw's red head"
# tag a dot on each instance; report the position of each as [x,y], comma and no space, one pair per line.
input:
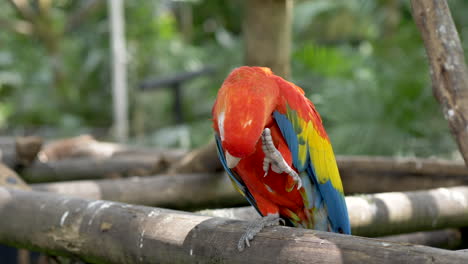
[244,106]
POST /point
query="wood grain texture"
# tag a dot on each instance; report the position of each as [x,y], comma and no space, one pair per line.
[165,190]
[448,238]
[101,231]
[381,174]
[449,72]
[94,168]
[383,214]
[384,174]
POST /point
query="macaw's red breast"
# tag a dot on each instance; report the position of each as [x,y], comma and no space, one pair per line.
[243,108]
[270,190]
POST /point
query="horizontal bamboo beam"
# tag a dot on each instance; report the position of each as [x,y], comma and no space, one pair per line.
[410,165]
[81,157]
[173,191]
[379,174]
[94,168]
[85,158]
[392,213]
[448,238]
[382,174]
[370,215]
[100,231]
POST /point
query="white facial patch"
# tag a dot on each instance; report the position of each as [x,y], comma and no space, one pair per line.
[221,125]
[231,160]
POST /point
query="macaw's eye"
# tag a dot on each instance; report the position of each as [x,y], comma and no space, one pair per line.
[340,230]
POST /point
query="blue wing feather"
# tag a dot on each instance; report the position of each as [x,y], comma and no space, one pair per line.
[237,181]
[331,198]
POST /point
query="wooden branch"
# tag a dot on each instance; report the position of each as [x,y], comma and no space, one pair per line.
[381,174]
[203,159]
[88,146]
[267,34]
[22,151]
[92,168]
[9,178]
[445,238]
[447,61]
[391,213]
[100,231]
[83,145]
[173,191]
[19,151]
[411,165]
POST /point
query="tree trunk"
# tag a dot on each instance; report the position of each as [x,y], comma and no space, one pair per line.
[267,34]
[447,61]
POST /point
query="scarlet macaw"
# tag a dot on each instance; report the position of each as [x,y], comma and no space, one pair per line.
[262,121]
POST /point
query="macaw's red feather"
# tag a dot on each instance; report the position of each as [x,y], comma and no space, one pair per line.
[245,102]
[270,187]
[292,96]
[252,99]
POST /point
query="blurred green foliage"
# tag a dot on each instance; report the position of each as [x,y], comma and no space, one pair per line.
[361,62]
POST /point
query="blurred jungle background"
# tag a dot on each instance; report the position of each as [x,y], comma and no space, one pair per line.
[361,62]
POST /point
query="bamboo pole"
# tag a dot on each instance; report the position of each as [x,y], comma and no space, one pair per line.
[371,215]
[381,174]
[9,178]
[391,213]
[448,68]
[173,191]
[101,231]
[401,165]
[94,168]
[85,158]
[446,238]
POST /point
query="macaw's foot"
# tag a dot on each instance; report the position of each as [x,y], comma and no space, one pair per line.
[257,226]
[274,158]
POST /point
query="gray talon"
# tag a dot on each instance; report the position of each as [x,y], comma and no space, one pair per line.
[255,227]
[274,158]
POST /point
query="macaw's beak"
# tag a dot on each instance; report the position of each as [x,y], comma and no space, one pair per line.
[231,160]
